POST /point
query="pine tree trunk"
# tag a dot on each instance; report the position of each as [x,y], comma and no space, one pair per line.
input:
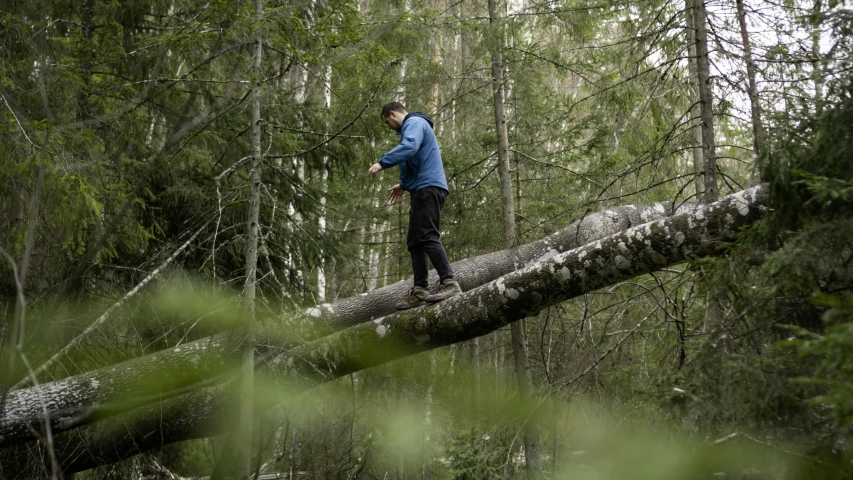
[752,90]
[426,447]
[321,269]
[531,432]
[500,125]
[247,374]
[713,308]
[706,98]
[693,98]
[525,393]
[87,19]
[817,77]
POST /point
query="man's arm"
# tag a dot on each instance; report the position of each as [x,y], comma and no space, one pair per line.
[413,135]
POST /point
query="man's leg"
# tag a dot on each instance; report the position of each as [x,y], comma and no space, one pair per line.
[434,203]
[424,234]
[420,268]
[420,265]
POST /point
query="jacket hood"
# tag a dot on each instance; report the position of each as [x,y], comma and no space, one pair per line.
[416,114]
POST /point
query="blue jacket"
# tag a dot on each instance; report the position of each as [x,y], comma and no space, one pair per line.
[417,155]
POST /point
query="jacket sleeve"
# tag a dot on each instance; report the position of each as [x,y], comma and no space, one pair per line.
[413,135]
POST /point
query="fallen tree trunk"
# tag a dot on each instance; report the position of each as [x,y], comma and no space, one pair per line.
[522,293]
[98,394]
[475,271]
[95,395]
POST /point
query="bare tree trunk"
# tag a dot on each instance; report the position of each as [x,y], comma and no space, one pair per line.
[321,270]
[706,97]
[426,447]
[525,392]
[460,130]
[752,91]
[372,237]
[531,432]
[474,345]
[435,98]
[693,88]
[87,19]
[817,77]
[247,374]
[300,95]
[714,308]
[500,126]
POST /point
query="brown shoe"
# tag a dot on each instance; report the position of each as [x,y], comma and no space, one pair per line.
[414,299]
[449,288]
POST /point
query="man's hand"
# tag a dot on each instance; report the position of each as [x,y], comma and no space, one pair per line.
[374,169]
[396,194]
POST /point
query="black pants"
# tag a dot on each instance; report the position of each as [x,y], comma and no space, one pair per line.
[424,232]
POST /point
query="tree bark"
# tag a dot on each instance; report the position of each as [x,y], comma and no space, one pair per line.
[500,127]
[532,436]
[475,271]
[751,90]
[817,74]
[522,370]
[87,20]
[522,293]
[92,396]
[693,98]
[714,308]
[247,374]
[706,98]
[321,269]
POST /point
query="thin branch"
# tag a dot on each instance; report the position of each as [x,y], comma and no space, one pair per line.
[555,63]
[91,328]
[348,124]
[309,132]
[18,121]
[542,162]
[230,170]
[735,435]
[18,320]
[182,80]
[612,349]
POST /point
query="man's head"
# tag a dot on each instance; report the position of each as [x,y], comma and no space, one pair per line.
[393,114]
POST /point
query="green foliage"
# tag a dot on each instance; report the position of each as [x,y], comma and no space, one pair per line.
[834,370]
[134,108]
[471,455]
[781,359]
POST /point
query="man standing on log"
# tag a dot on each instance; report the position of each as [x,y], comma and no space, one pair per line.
[422,175]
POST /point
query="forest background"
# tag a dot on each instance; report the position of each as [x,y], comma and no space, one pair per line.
[176,169]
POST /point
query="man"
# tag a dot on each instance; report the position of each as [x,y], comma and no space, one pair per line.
[422,175]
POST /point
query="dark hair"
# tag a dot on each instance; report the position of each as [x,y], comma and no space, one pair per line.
[391,107]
